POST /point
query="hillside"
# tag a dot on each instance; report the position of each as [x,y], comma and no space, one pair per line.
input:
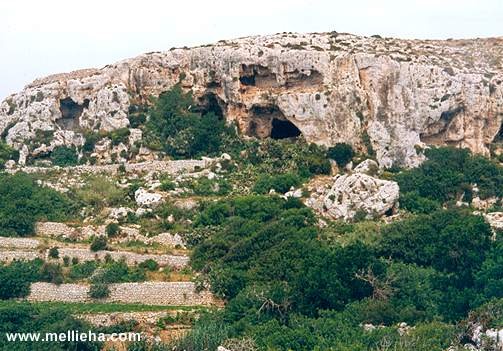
[289,192]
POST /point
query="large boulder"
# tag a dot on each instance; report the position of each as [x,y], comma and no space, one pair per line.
[356,194]
[145,199]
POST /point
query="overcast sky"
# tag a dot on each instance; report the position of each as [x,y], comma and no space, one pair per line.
[41,37]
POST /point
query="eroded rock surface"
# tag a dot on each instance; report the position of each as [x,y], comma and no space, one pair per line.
[393,96]
[357,194]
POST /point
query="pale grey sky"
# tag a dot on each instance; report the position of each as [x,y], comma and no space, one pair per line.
[41,37]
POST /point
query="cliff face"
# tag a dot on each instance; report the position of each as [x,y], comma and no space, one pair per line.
[394,96]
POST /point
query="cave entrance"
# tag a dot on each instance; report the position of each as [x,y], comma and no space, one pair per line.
[70,113]
[257,76]
[211,103]
[283,129]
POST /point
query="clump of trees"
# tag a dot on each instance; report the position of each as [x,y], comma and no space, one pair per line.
[64,156]
[281,282]
[6,153]
[446,174]
[23,202]
[175,127]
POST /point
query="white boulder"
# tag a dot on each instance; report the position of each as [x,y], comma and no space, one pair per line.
[145,199]
[355,193]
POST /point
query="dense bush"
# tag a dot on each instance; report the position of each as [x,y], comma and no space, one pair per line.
[23,202]
[82,270]
[178,130]
[150,265]
[99,291]
[112,229]
[445,175]
[451,241]
[284,156]
[280,183]
[51,273]
[64,156]
[268,248]
[53,252]
[6,154]
[120,135]
[341,153]
[118,272]
[17,277]
[99,243]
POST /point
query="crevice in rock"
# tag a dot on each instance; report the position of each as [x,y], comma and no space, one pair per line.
[70,113]
[499,137]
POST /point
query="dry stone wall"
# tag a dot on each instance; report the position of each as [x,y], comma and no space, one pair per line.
[16,255]
[19,243]
[147,293]
[131,258]
[170,167]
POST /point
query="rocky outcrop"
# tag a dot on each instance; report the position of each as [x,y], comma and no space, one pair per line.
[349,196]
[392,96]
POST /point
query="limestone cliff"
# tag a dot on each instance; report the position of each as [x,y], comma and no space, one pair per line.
[394,96]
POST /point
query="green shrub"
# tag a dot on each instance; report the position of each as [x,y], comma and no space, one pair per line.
[341,153]
[23,202]
[99,291]
[182,133]
[447,240]
[91,138]
[120,135]
[51,273]
[206,187]
[448,173]
[100,192]
[149,265]
[64,156]
[82,270]
[99,243]
[413,202]
[118,272]
[6,154]
[112,229]
[53,252]
[280,183]
[17,277]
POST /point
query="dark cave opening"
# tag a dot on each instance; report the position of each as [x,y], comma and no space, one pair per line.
[282,129]
[247,80]
[257,76]
[211,103]
[70,112]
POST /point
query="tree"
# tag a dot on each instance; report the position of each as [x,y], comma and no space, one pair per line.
[22,202]
[64,156]
[447,240]
[6,153]
[341,153]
